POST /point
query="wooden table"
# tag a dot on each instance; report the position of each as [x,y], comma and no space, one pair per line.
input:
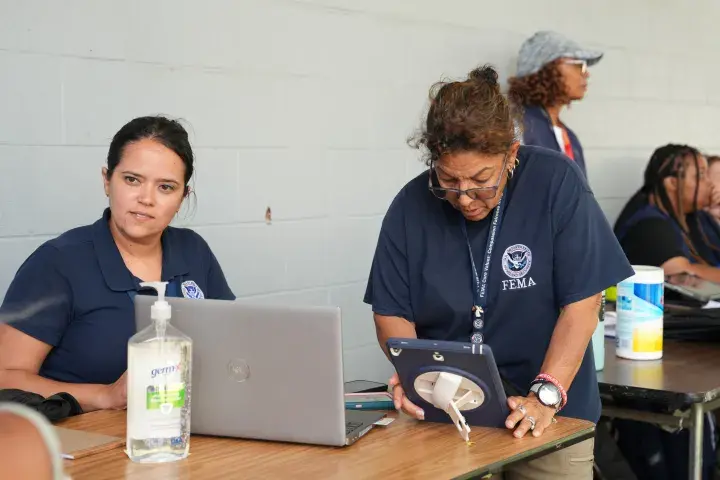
[686,379]
[404,449]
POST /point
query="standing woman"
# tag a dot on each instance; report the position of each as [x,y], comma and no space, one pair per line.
[552,72]
[553,254]
[71,302]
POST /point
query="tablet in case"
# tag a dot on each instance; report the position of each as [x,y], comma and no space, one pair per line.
[419,363]
[693,287]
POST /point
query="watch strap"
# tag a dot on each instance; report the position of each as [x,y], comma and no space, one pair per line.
[535,388]
[547,378]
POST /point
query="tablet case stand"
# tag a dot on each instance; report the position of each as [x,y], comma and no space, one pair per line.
[452,382]
[451,393]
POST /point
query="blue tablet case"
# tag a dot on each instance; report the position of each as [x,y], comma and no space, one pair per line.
[413,357]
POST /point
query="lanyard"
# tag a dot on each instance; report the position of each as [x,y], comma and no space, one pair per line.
[480,283]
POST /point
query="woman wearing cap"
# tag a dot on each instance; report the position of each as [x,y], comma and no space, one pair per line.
[551,73]
[495,241]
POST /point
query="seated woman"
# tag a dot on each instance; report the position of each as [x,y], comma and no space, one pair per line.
[70,305]
[664,224]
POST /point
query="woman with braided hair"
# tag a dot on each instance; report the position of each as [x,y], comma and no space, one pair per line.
[664,224]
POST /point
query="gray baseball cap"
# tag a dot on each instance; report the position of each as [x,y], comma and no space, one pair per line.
[545,46]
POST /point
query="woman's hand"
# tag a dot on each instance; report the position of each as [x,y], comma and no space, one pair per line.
[114,396]
[714,207]
[715,197]
[526,409]
[714,211]
[402,402]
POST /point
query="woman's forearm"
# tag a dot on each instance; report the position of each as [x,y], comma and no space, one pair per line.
[90,396]
[387,327]
[570,339]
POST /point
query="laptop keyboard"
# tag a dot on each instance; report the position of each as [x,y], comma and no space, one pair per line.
[350,426]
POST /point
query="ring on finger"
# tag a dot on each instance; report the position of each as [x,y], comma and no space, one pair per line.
[522,409]
[532,422]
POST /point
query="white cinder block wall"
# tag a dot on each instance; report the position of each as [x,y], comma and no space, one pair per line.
[304,107]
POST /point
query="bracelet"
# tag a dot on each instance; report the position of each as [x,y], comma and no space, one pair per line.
[549,378]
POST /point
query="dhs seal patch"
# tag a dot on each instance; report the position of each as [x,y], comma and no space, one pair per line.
[191,290]
[516,261]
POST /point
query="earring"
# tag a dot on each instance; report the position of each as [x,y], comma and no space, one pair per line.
[511,172]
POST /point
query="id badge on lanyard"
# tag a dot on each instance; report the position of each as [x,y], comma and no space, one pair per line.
[480,282]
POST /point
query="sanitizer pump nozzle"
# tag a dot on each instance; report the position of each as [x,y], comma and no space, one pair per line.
[160,310]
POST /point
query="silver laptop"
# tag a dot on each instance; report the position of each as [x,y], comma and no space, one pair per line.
[265,372]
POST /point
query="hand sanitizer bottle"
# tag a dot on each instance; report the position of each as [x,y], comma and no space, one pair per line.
[158,388]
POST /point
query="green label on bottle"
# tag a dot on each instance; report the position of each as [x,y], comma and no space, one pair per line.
[163,397]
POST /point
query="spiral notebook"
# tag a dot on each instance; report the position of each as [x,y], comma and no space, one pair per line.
[77,443]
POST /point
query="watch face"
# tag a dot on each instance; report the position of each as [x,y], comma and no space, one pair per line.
[549,395]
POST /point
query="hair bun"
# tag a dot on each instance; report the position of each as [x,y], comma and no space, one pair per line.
[486,74]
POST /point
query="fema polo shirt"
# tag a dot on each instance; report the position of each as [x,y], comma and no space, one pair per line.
[75,294]
[554,247]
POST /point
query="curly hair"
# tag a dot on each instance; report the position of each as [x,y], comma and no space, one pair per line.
[469,115]
[543,88]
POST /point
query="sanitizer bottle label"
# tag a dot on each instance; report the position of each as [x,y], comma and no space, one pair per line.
[157,407]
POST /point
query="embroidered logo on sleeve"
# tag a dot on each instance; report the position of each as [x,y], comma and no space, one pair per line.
[190,289]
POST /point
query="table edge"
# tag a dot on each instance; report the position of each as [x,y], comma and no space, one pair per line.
[531,454]
[684,398]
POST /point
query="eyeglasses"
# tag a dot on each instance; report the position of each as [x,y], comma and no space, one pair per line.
[478,193]
[580,63]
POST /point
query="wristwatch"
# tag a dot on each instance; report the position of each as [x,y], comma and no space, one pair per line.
[547,393]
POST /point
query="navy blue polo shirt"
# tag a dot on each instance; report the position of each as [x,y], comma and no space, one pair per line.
[421,270]
[76,293]
[538,131]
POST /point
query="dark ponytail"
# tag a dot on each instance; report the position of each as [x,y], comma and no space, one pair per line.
[485,75]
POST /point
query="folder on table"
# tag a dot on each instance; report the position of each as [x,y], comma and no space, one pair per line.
[77,443]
